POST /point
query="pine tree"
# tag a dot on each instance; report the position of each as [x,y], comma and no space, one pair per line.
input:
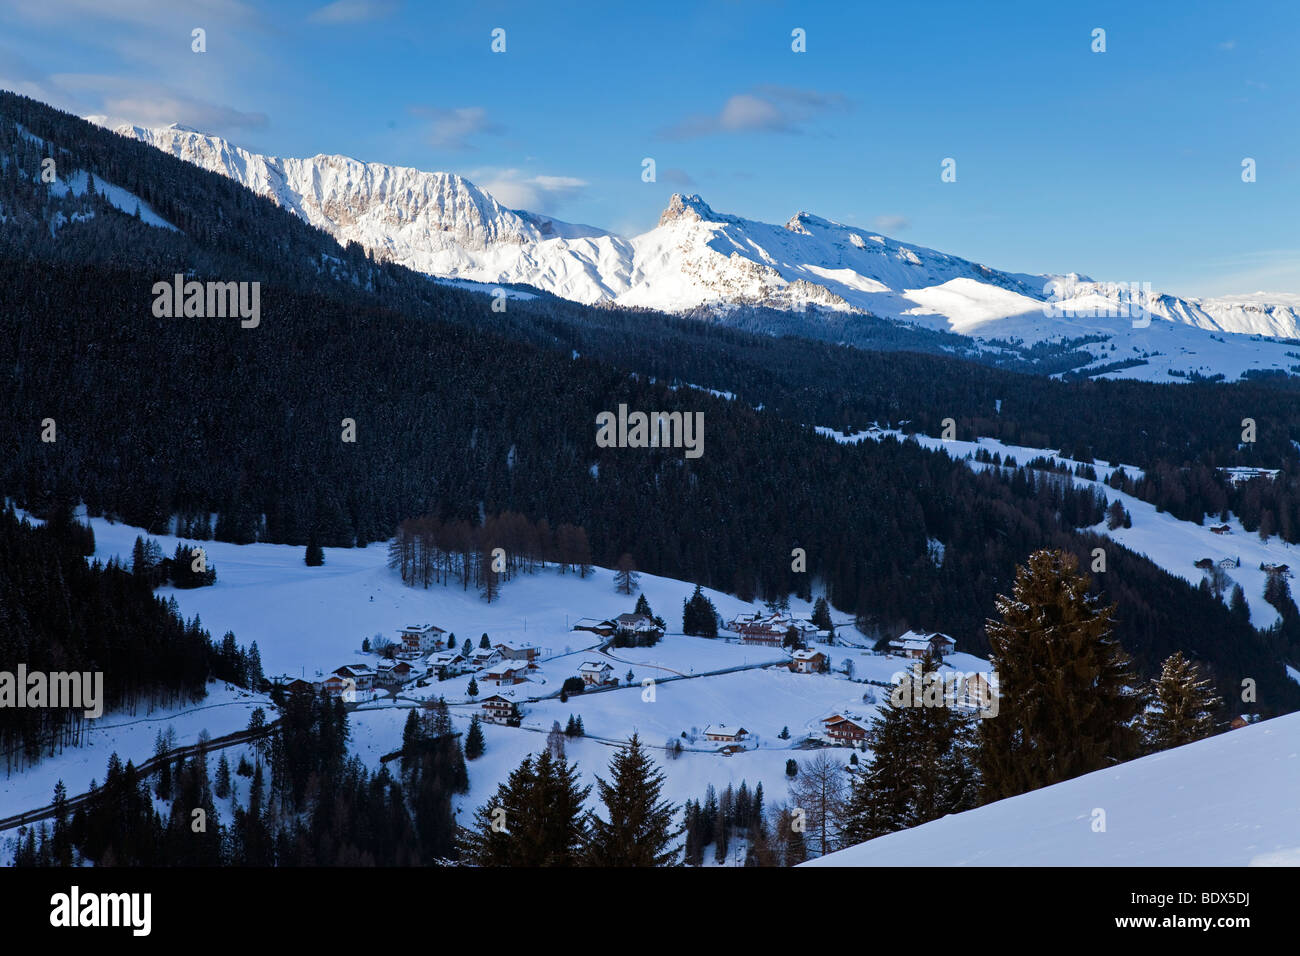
[639,830]
[472,689]
[484,643]
[315,556]
[535,819]
[921,763]
[1067,706]
[821,615]
[222,785]
[1183,705]
[474,745]
[699,616]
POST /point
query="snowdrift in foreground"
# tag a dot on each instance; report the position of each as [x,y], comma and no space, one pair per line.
[1232,800]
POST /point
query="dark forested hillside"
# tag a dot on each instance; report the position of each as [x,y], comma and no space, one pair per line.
[462,412]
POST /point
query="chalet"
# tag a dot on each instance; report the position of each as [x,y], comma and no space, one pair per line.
[507,673]
[485,657]
[362,674]
[336,686]
[1205,564]
[1238,723]
[603,628]
[637,627]
[1280,570]
[845,730]
[1221,528]
[500,709]
[595,673]
[448,664]
[807,661]
[392,673]
[916,645]
[725,733]
[298,685]
[518,650]
[1228,563]
[769,629]
[417,639]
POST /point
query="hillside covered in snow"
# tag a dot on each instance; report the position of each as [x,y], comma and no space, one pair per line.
[1229,800]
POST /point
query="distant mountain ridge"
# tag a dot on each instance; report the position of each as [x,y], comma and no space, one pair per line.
[698,259]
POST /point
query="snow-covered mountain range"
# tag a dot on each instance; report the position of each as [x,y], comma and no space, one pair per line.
[443,225]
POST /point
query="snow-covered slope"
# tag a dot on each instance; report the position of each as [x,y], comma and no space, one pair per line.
[1190,806]
[444,225]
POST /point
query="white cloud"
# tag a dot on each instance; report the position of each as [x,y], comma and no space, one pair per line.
[516,189]
[352,11]
[890,223]
[771,109]
[453,128]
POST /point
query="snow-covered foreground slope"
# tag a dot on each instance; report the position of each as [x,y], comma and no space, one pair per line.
[446,226]
[1231,800]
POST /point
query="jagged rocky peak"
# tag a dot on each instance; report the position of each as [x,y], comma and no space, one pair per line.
[796,223]
[687,208]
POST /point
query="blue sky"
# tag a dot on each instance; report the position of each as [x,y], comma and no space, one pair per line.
[1124,165]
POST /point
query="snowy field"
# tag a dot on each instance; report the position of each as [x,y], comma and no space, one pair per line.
[374,734]
[309,621]
[1231,800]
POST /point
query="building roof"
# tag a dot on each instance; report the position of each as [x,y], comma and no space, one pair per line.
[860,724]
[356,670]
[807,654]
[422,629]
[724,730]
[595,666]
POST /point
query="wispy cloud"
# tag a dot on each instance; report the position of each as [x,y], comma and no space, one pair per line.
[765,109]
[143,103]
[453,129]
[890,223]
[516,189]
[353,11]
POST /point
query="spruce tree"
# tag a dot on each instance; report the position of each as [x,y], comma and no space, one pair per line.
[535,819]
[639,830]
[921,763]
[699,616]
[1067,705]
[821,615]
[315,556]
[474,744]
[1183,705]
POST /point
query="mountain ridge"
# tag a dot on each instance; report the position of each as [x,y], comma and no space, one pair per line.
[699,260]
